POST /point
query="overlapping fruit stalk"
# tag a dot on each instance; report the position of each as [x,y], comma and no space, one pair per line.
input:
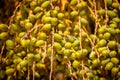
[61,39]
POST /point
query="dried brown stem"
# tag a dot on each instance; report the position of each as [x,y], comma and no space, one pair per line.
[52,55]
[106,12]
[94,16]
[28,75]
[45,47]
[84,29]
[33,68]
[14,13]
[2,50]
[69,66]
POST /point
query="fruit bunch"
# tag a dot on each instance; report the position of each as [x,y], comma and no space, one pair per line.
[61,40]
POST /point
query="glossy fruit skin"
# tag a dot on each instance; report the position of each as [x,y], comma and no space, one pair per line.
[76,64]
[3,27]
[112,44]
[109,66]
[102,12]
[45,4]
[111,14]
[42,36]
[107,35]
[28,26]
[39,43]
[114,71]
[115,60]
[113,53]
[46,28]
[57,37]
[25,43]
[9,71]
[57,46]
[3,35]
[102,43]
[23,63]
[10,44]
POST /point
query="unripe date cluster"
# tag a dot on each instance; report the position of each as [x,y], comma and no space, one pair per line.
[62,39]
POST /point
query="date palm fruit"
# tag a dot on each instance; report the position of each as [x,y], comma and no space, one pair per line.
[84,52]
[79,54]
[113,25]
[39,43]
[3,27]
[81,5]
[57,46]
[23,63]
[45,4]
[68,45]
[10,53]
[112,44]
[54,21]
[92,55]
[107,36]
[42,36]
[105,61]
[105,53]
[73,56]
[116,19]
[9,71]
[38,15]
[37,57]
[84,21]
[10,44]
[102,78]
[31,17]
[112,31]
[95,63]
[37,75]
[67,52]
[61,27]
[115,60]
[17,60]
[114,71]
[13,29]
[76,43]
[112,53]
[60,15]
[46,27]
[57,37]
[111,14]
[37,9]
[102,30]
[28,26]
[2,74]
[109,66]
[76,64]
[70,39]
[25,42]
[40,65]
[73,14]
[102,43]
[73,2]
[54,13]
[115,5]
[33,4]
[30,56]
[101,49]
[3,35]
[101,12]
[47,20]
